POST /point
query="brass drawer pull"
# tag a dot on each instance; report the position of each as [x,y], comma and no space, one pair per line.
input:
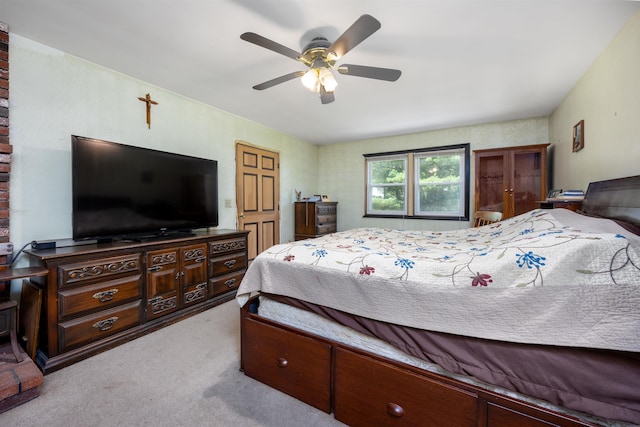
[282,362]
[156,268]
[395,410]
[230,282]
[230,263]
[202,285]
[105,296]
[201,259]
[106,324]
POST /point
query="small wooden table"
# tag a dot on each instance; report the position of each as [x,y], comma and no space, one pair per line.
[8,309]
[22,273]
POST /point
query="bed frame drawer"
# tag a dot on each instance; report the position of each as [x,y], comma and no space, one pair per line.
[294,364]
[371,392]
[501,416]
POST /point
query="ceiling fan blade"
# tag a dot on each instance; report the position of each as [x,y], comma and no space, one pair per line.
[326,97]
[355,34]
[278,80]
[387,74]
[270,44]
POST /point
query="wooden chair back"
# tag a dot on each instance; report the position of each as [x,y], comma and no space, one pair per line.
[481,218]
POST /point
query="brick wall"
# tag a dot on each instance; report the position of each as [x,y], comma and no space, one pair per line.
[5,147]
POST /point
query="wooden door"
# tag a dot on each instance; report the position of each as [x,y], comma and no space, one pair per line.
[492,182]
[193,274]
[529,168]
[163,276]
[258,196]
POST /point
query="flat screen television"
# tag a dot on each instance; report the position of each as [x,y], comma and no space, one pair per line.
[125,192]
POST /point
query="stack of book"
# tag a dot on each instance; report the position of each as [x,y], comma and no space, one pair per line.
[568,195]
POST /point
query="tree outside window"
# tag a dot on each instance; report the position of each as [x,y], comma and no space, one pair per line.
[387,177]
[428,183]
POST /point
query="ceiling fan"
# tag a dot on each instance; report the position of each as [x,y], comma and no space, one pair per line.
[321,57]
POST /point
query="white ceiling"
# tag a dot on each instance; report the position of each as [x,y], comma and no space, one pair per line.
[463,61]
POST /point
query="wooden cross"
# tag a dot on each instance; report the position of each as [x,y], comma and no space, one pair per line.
[148,100]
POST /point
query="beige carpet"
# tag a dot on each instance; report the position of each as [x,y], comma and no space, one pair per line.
[186,374]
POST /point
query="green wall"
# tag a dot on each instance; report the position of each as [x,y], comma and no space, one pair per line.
[607,98]
[54,95]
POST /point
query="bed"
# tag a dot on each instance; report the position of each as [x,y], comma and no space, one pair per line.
[534,320]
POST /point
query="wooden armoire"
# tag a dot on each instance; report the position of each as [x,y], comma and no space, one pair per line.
[511,180]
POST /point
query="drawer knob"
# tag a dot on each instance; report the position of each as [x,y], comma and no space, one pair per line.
[282,362]
[230,263]
[230,282]
[395,410]
[105,296]
[106,324]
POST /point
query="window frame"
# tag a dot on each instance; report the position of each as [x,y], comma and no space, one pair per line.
[412,184]
[369,192]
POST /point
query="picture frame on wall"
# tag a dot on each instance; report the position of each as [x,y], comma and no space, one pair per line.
[578,136]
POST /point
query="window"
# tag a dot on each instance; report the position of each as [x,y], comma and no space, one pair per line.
[428,183]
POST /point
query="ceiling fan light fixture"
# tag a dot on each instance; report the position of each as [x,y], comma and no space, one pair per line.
[310,80]
[327,80]
[320,56]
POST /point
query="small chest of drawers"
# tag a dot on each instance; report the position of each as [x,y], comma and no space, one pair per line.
[315,219]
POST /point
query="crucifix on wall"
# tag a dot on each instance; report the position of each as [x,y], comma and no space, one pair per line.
[149,101]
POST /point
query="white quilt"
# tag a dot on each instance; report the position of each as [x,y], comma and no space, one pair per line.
[545,277]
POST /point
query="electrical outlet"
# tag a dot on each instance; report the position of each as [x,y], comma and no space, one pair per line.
[227,203]
[6,248]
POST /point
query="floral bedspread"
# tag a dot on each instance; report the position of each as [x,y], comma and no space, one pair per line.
[544,277]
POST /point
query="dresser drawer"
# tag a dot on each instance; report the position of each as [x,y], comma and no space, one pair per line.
[101,269]
[294,364]
[228,264]
[326,208]
[84,330]
[219,247]
[371,392]
[326,219]
[98,296]
[222,284]
[326,228]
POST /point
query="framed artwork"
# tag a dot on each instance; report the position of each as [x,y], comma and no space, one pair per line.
[578,136]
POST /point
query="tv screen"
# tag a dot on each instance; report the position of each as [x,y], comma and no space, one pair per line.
[122,191]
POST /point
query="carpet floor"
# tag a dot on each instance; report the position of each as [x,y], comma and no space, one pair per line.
[186,374]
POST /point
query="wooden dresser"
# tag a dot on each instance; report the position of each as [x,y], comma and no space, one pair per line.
[97,296]
[314,219]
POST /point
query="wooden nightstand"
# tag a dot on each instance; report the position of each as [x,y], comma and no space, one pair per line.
[572,205]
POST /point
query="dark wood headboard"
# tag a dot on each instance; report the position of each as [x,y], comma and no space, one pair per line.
[617,199]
